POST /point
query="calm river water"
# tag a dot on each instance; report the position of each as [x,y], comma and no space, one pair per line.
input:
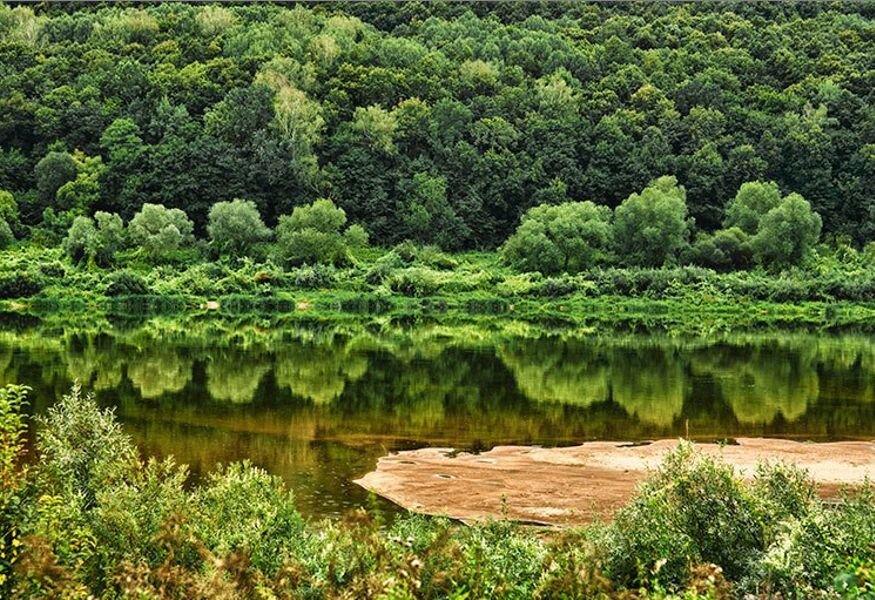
[319,407]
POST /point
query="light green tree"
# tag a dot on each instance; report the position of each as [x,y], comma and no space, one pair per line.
[786,233]
[312,234]
[96,244]
[753,200]
[160,231]
[650,227]
[569,237]
[235,227]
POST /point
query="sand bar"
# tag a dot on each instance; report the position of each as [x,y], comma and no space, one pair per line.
[573,485]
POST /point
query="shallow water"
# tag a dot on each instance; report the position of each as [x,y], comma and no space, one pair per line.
[319,407]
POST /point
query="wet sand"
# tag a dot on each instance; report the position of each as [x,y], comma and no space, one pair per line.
[574,485]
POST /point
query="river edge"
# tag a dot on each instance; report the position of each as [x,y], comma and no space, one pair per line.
[576,485]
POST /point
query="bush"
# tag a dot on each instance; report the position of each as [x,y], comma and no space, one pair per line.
[651,227]
[415,282]
[126,283]
[567,238]
[236,227]
[312,234]
[691,510]
[315,277]
[160,231]
[786,233]
[6,236]
[19,284]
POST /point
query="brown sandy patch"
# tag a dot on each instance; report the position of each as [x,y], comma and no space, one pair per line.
[573,485]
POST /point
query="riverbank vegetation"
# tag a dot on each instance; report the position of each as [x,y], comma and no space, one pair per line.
[603,150]
[85,516]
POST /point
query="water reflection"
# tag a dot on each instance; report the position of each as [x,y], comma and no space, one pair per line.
[318,407]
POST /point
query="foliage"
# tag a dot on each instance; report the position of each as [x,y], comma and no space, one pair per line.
[125,283]
[92,519]
[235,227]
[753,200]
[650,228]
[567,238]
[312,234]
[160,231]
[13,477]
[442,124]
[95,244]
[725,250]
[786,233]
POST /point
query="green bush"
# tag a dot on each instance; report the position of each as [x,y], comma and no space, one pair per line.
[314,277]
[126,283]
[415,282]
[691,510]
[19,284]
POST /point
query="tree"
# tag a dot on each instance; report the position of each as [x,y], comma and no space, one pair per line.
[753,200]
[9,216]
[6,236]
[569,237]
[650,227]
[725,250]
[95,244]
[160,231]
[81,239]
[786,233]
[311,234]
[51,172]
[235,227]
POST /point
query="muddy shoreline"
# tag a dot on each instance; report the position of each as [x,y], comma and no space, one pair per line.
[575,485]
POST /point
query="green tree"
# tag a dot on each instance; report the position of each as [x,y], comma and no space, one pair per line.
[786,233]
[160,231]
[650,227]
[569,237]
[81,239]
[725,250]
[235,227]
[312,234]
[753,200]
[98,243]
[51,172]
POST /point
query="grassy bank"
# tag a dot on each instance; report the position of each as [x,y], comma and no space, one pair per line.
[84,516]
[414,284]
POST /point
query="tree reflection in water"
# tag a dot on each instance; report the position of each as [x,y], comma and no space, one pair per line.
[319,409]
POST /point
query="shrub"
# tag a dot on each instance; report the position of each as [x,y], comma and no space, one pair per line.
[126,283]
[160,231]
[82,448]
[566,238]
[20,284]
[786,233]
[312,234]
[6,236]
[751,203]
[415,282]
[356,236]
[650,227]
[13,478]
[691,510]
[311,278]
[236,227]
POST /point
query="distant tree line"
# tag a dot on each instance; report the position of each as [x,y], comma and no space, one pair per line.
[442,124]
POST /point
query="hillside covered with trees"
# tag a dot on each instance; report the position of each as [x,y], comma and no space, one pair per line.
[437,123]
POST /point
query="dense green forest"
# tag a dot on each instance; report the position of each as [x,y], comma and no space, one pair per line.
[439,123]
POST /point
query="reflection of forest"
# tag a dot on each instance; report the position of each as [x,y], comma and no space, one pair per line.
[475,387]
[318,407]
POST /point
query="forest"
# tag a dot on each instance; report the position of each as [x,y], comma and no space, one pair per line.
[442,123]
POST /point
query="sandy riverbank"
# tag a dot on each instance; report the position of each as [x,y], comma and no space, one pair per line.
[573,485]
